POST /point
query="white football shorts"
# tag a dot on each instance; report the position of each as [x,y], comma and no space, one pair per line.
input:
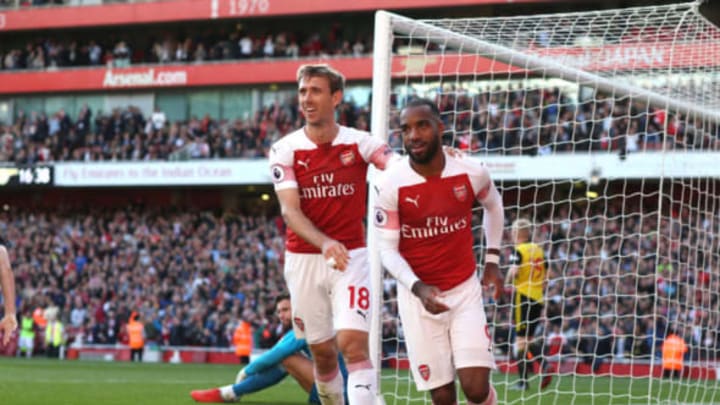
[325,300]
[437,345]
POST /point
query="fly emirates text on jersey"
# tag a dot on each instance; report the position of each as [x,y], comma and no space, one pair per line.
[434,226]
[324,187]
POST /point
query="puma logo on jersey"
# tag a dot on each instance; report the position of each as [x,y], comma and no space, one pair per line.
[413,201]
[305,164]
[363,314]
[366,386]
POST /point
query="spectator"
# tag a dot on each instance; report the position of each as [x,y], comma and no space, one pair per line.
[26,344]
[481,126]
[54,333]
[674,349]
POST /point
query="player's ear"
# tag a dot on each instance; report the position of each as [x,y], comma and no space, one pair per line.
[441,126]
[337,98]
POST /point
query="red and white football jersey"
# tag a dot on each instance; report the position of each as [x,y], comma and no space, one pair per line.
[432,217]
[331,179]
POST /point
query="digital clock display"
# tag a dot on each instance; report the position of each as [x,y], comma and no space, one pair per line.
[26,176]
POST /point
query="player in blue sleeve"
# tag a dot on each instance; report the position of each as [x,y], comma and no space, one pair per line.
[288,356]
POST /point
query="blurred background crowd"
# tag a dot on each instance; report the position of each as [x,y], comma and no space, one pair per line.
[494,122]
[613,287]
[622,271]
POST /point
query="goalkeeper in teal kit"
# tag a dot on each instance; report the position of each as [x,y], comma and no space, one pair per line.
[289,356]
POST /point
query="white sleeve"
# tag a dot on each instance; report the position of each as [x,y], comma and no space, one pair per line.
[394,158]
[494,218]
[281,166]
[387,226]
[376,151]
[489,197]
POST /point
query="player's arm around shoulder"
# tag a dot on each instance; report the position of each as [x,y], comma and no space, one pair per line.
[377,151]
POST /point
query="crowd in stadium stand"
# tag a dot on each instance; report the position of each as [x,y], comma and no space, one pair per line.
[128,135]
[236,43]
[31,3]
[541,122]
[53,53]
[502,122]
[190,276]
[605,297]
[614,285]
[193,275]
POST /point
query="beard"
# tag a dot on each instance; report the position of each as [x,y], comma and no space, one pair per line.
[431,149]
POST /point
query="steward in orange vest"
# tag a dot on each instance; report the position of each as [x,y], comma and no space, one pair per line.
[673,353]
[242,339]
[39,317]
[136,337]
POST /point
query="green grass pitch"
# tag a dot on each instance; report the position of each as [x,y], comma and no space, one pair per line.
[52,382]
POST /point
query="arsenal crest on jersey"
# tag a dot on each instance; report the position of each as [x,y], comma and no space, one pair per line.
[299,323]
[460,192]
[347,157]
[424,371]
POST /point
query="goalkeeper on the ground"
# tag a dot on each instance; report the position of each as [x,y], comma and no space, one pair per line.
[527,274]
[289,356]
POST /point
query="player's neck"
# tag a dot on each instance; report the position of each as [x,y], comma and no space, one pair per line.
[322,133]
[433,168]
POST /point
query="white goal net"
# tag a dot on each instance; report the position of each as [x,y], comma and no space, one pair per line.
[601,129]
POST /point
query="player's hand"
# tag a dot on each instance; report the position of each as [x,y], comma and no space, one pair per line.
[8,325]
[492,276]
[336,254]
[241,375]
[428,295]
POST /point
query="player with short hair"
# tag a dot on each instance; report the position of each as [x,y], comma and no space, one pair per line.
[8,324]
[290,355]
[319,173]
[424,219]
[527,273]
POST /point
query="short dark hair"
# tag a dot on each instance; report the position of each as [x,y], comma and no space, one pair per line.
[336,79]
[420,102]
[282,297]
[4,242]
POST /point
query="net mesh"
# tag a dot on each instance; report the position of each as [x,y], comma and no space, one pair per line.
[601,129]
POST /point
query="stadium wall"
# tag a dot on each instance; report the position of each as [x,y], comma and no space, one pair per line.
[188,10]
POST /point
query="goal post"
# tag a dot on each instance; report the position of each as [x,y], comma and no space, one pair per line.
[602,129]
[379,127]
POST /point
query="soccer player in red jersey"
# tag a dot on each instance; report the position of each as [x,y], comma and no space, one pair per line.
[423,216]
[319,173]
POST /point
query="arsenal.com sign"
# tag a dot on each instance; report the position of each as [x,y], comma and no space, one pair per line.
[146,78]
